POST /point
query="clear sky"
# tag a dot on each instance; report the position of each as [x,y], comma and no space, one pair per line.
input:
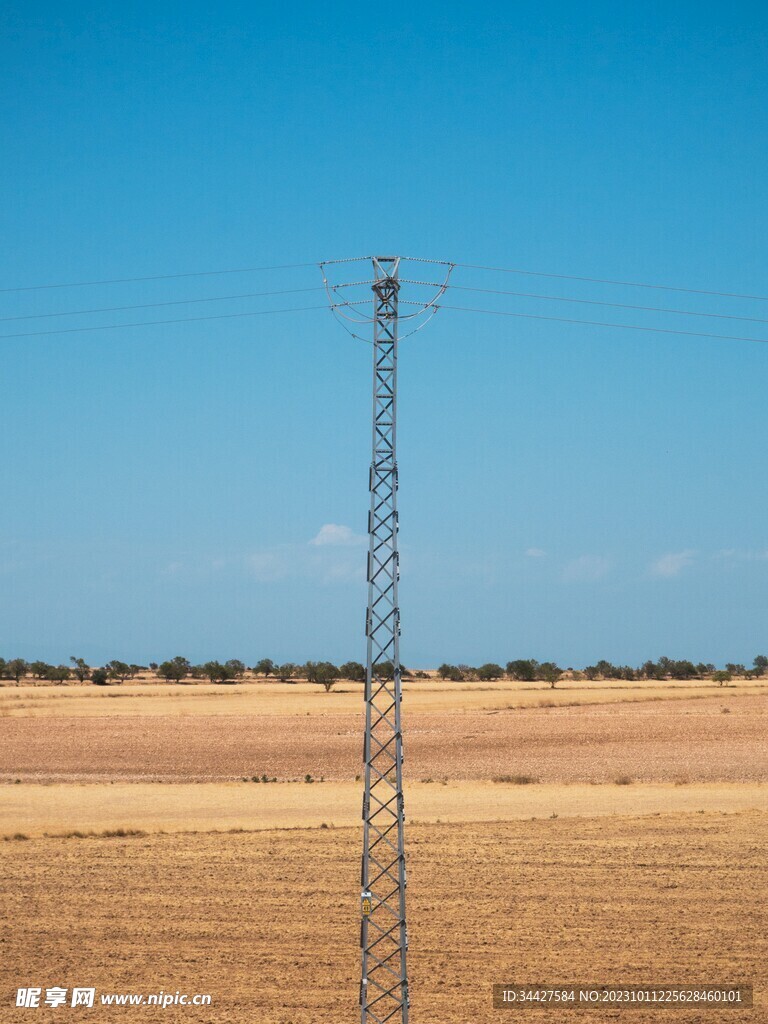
[567,491]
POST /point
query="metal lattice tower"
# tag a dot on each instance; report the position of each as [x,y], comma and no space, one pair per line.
[383,932]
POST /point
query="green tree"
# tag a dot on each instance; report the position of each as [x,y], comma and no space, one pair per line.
[286,671]
[235,668]
[323,672]
[450,672]
[100,677]
[58,674]
[80,668]
[385,670]
[489,671]
[606,670]
[652,670]
[265,667]
[549,673]
[682,670]
[353,671]
[524,670]
[39,669]
[735,670]
[175,670]
[118,670]
[215,671]
[761,664]
[16,668]
[721,677]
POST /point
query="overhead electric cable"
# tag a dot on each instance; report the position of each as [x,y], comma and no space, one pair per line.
[412,259]
[155,305]
[600,323]
[154,323]
[597,302]
[603,280]
[432,284]
[157,277]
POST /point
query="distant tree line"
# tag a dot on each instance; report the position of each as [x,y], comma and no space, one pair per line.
[530,670]
[326,674]
[178,669]
[523,670]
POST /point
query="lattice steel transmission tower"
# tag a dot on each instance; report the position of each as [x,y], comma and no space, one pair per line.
[383,929]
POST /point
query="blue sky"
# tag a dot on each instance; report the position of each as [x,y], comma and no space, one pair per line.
[567,491]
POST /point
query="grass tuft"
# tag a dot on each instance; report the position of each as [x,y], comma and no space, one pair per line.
[107,833]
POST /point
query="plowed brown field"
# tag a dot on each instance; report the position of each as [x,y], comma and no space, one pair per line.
[560,881]
[674,740]
[267,922]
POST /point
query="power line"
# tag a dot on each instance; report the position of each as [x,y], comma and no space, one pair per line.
[624,284]
[434,306]
[412,259]
[154,323]
[155,305]
[456,287]
[600,323]
[614,305]
[158,277]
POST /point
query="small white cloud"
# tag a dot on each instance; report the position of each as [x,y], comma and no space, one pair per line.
[335,535]
[344,572]
[586,569]
[733,556]
[535,553]
[672,564]
[268,566]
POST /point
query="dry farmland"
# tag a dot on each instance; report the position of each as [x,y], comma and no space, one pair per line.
[585,734]
[594,833]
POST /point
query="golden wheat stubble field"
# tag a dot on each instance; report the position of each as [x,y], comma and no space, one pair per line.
[590,733]
[267,922]
[655,874]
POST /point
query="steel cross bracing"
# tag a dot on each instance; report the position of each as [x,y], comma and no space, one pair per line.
[383,934]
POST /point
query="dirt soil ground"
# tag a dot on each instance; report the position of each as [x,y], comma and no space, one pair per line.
[267,922]
[60,808]
[575,878]
[718,738]
[63,807]
[274,698]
